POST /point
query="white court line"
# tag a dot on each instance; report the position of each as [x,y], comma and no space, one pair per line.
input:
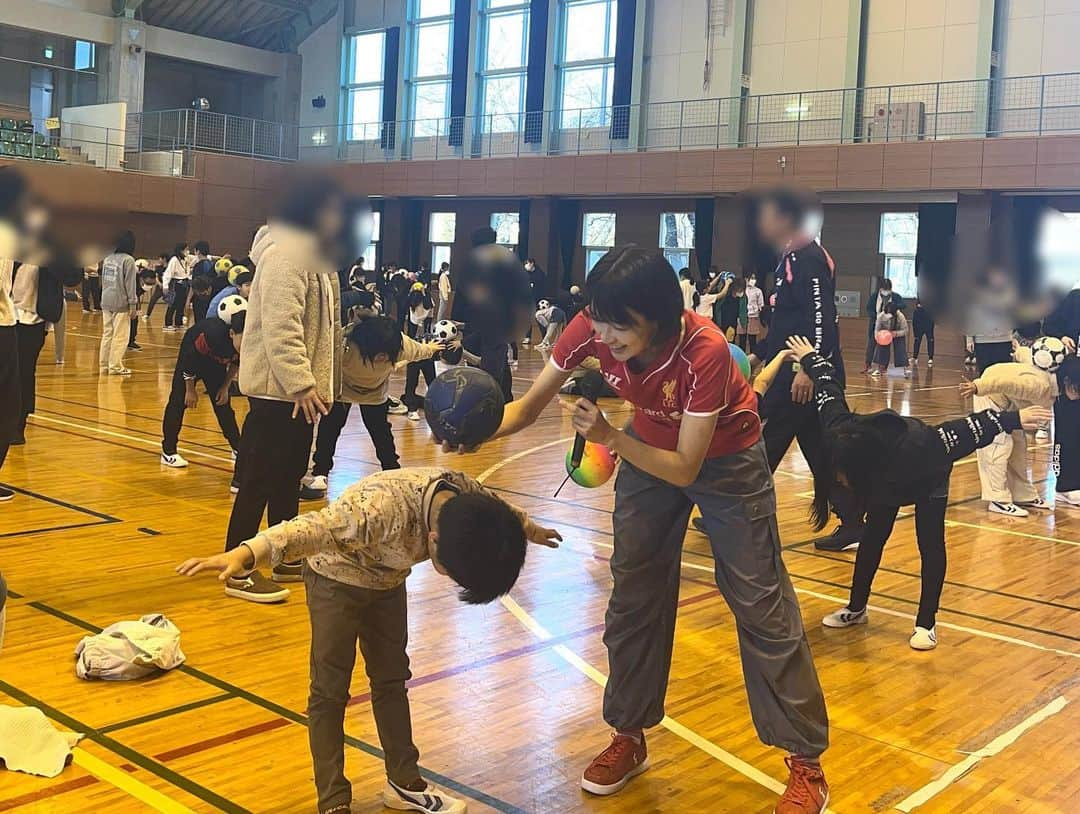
[996,530]
[995,746]
[157,444]
[141,344]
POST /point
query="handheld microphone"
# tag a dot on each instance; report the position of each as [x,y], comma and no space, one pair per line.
[592,385]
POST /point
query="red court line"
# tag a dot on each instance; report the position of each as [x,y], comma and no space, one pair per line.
[220,740]
[46,793]
[524,650]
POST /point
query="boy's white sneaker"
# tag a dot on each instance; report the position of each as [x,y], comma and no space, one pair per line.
[1007,509]
[1072,498]
[175,461]
[923,639]
[431,799]
[414,415]
[846,618]
[1037,503]
[1042,435]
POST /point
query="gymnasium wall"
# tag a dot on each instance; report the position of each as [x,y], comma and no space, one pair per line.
[171,84]
[1040,37]
[799,45]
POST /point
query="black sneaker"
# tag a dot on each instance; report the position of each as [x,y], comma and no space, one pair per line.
[255,588]
[288,572]
[234,486]
[313,489]
[843,538]
[134,346]
[6,494]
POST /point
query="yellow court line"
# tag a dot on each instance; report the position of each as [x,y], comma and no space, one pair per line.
[127,784]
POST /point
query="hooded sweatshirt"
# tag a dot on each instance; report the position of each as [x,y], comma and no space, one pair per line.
[292,338]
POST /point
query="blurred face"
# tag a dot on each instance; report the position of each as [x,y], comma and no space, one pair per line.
[529,266]
[626,341]
[1072,391]
[772,226]
[751,281]
[330,221]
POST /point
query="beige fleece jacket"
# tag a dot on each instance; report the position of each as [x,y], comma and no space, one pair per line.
[365,382]
[292,338]
[1015,385]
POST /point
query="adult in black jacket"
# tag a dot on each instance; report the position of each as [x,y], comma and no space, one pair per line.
[888,461]
[803,304]
[1064,322]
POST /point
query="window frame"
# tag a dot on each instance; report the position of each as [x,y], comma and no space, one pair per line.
[593,252]
[517,215]
[565,66]
[413,81]
[372,261]
[485,14]
[682,253]
[348,87]
[436,245]
[899,283]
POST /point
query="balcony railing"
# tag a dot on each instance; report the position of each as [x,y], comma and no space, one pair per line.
[1012,106]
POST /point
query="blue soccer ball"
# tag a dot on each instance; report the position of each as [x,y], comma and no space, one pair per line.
[464,406]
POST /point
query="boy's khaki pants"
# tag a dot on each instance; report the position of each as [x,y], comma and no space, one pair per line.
[342,616]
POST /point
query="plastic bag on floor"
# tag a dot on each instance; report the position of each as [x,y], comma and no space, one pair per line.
[29,742]
[128,650]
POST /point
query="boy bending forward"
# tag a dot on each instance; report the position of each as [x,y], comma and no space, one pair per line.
[359,551]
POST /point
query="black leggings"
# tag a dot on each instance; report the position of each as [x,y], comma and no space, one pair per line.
[214,380]
[175,313]
[1067,443]
[412,378]
[31,339]
[930,536]
[331,425]
[919,334]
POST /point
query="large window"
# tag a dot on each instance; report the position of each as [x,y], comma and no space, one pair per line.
[507,227]
[504,55]
[431,37]
[586,62]
[442,228]
[898,241]
[371,254]
[366,62]
[677,238]
[1058,249]
[597,236]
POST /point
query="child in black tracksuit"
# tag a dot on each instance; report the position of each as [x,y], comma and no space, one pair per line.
[888,461]
[210,353]
[923,325]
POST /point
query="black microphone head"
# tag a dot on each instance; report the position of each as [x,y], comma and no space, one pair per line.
[591,385]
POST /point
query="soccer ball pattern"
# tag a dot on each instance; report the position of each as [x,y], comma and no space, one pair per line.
[444,330]
[543,304]
[1048,352]
[230,307]
[222,265]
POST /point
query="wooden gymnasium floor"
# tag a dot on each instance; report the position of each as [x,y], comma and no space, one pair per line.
[506,698]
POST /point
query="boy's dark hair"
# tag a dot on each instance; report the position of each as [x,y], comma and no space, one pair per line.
[483,236]
[1069,374]
[147,275]
[201,284]
[125,244]
[792,204]
[305,200]
[375,335]
[481,545]
[886,284]
[635,279]
[178,251]
[202,247]
[238,321]
[244,277]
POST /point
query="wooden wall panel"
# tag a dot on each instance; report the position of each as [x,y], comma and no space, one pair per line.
[907,165]
[1058,162]
[816,167]
[860,166]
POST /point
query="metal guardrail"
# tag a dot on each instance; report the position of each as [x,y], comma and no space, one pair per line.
[1011,106]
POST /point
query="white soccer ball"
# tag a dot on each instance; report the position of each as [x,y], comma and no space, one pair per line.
[1048,352]
[444,330]
[543,304]
[230,307]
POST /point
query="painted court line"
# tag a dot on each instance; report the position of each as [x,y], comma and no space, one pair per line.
[127,784]
[1001,742]
[998,530]
[145,441]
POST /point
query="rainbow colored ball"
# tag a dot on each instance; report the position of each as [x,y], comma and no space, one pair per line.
[738,355]
[597,465]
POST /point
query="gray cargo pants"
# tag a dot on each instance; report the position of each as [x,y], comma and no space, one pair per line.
[736,499]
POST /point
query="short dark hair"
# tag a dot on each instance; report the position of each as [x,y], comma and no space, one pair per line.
[238,321]
[886,283]
[307,198]
[1068,374]
[484,236]
[125,244]
[178,251]
[201,283]
[243,277]
[792,204]
[375,335]
[202,247]
[481,545]
[631,278]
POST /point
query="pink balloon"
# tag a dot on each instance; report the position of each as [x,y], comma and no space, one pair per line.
[883,337]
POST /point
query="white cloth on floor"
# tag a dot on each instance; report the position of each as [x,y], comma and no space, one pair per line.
[29,742]
[128,650]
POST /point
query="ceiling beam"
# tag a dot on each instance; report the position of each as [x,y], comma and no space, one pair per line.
[294,6]
[319,13]
[170,13]
[125,8]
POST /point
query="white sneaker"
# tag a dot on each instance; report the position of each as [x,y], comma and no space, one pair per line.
[1037,503]
[1042,435]
[235,455]
[184,320]
[318,482]
[1072,497]
[923,639]
[175,461]
[145,318]
[929,362]
[431,799]
[846,618]
[913,362]
[396,408]
[413,415]
[875,373]
[169,329]
[1009,509]
[907,372]
[119,371]
[59,361]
